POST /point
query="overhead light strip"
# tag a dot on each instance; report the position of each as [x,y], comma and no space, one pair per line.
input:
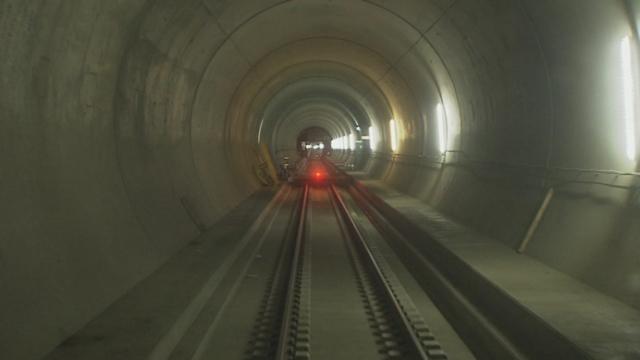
[442,128]
[629,98]
[393,129]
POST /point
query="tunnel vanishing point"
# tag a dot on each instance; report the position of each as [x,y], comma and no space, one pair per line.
[482,195]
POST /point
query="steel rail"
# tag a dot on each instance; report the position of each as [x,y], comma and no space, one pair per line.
[285,342]
[414,343]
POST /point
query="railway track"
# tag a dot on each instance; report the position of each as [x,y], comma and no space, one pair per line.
[332,294]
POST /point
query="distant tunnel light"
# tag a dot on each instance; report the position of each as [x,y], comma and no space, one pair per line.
[352,141]
[393,129]
[373,138]
[442,128]
[629,98]
[335,144]
[341,143]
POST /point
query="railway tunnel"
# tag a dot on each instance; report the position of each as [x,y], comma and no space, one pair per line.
[483,200]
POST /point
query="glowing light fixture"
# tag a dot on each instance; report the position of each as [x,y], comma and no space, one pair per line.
[341,143]
[442,128]
[352,141]
[260,130]
[393,129]
[338,143]
[373,138]
[629,98]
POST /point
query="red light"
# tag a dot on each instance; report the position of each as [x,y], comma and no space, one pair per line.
[318,176]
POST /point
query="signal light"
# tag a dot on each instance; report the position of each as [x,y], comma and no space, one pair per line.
[318,176]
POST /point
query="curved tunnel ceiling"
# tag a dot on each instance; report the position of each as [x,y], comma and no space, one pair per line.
[332,97]
[135,124]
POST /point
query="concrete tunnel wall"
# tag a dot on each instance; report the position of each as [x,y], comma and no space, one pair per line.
[128,127]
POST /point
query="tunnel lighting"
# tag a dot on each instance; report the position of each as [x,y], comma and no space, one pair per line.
[442,128]
[341,143]
[629,97]
[260,130]
[393,130]
[352,141]
[373,138]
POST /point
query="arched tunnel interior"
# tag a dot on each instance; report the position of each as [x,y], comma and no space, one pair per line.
[132,133]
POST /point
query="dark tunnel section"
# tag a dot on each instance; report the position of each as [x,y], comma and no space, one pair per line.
[314,138]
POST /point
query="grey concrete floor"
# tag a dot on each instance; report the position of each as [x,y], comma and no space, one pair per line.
[601,326]
[243,255]
[134,326]
[339,324]
[231,336]
[451,342]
